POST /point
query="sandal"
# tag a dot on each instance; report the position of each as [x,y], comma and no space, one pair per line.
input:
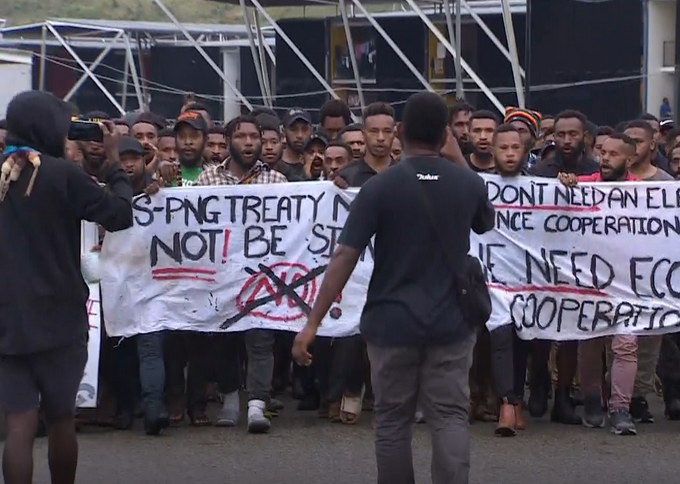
[350,410]
[176,420]
[334,412]
[200,420]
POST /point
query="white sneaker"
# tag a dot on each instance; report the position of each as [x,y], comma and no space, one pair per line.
[257,422]
[230,410]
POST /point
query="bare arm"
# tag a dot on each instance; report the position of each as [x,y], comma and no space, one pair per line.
[451,150]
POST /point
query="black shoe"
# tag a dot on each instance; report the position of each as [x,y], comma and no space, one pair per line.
[673,409]
[577,398]
[124,421]
[298,389]
[309,403]
[155,426]
[593,416]
[563,411]
[639,410]
[538,398]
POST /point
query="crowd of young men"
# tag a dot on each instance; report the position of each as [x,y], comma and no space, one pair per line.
[179,373]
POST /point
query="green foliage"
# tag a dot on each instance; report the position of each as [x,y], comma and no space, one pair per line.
[19,12]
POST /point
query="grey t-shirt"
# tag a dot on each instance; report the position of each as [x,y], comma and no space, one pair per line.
[660,175]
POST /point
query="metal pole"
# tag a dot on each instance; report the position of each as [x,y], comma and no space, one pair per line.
[203,53]
[270,53]
[43,58]
[489,33]
[126,74]
[470,72]
[294,48]
[527,55]
[253,52]
[352,55]
[263,59]
[141,100]
[454,43]
[459,57]
[512,46]
[93,66]
[84,67]
[394,46]
[141,45]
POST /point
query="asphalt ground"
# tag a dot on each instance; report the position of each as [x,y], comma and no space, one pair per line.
[301,448]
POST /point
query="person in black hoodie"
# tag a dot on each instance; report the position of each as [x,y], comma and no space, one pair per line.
[43,316]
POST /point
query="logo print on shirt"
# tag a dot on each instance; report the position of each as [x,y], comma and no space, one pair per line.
[427,177]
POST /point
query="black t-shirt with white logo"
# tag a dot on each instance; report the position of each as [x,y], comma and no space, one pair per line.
[410,300]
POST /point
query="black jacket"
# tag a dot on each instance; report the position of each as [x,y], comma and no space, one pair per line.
[42,293]
[552,167]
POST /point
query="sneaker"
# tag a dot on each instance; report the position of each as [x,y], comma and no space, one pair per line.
[621,423]
[420,417]
[593,416]
[231,410]
[639,410]
[257,422]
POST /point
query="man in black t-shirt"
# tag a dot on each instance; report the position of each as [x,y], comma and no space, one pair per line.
[570,157]
[508,351]
[348,354]
[483,124]
[418,340]
[297,125]
[571,150]
[147,348]
[378,132]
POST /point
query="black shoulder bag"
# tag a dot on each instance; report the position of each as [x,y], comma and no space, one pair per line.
[468,279]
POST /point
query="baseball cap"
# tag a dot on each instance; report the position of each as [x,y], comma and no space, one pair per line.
[317,136]
[193,119]
[128,144]
[296,114]
[151,118]
[547,148]
[666,125]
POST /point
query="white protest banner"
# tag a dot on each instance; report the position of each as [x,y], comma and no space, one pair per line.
[591,260]
[229,258]
[563,263]
[87,392]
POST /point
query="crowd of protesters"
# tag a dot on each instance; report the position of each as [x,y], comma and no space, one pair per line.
[169,377]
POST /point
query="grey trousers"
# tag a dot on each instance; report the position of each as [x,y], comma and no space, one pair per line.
[440,375]
[260,350]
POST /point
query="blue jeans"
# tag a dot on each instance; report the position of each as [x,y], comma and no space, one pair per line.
[144,351]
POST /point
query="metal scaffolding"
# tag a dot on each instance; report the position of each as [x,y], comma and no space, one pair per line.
[129,37]
[424,10]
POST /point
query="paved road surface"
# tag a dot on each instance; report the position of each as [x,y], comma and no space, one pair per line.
[302,449]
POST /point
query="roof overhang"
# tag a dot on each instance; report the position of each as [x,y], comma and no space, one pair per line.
[16,56]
